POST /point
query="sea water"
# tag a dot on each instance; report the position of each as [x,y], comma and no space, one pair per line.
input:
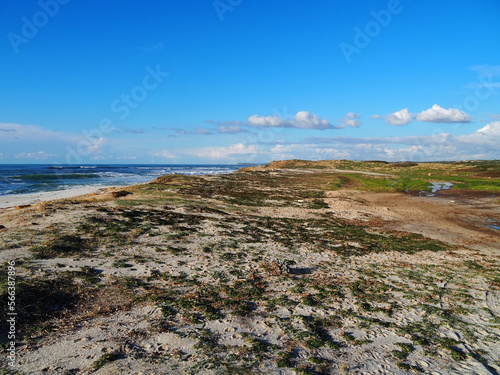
[34,178]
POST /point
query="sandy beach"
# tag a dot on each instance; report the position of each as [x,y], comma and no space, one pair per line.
[275,270]
[9,201]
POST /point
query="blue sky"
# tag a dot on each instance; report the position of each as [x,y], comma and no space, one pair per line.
[229,81]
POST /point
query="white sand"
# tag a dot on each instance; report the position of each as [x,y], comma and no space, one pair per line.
[9,201]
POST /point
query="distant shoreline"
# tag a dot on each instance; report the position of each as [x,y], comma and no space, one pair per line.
[14,200]
[34,179]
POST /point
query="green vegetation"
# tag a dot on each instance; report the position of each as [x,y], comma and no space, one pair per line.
[406,176]
[206,251]
[36,299]
[62,245]
[104,359]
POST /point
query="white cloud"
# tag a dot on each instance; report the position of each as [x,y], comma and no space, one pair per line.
[238,149]
[405,153]
[102,157]
[225,123]
[441,115]
[407,140]
[126,158]
[23,141]
[231,129]
[40,155]
[481,144]
[267,121]
[18,132]
[302,120]
[203,131]
[283,152]
[435,114]
[492,129]
[164,154]
[133,131]
[488,135]
[280,148]
[306,120]
[223,129]
[351,119]
[401,117]
[333,153]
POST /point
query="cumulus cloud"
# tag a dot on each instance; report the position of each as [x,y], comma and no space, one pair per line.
[481,144]
[492,129]
[302,120]
[306,120]
[435,114]
[267,121]
[488,135]
[351,119]
[401,117]
[440,115]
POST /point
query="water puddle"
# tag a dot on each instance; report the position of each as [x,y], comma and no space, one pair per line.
[436,186]
[494,227]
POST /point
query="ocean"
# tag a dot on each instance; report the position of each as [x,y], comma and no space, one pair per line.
[34,178]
